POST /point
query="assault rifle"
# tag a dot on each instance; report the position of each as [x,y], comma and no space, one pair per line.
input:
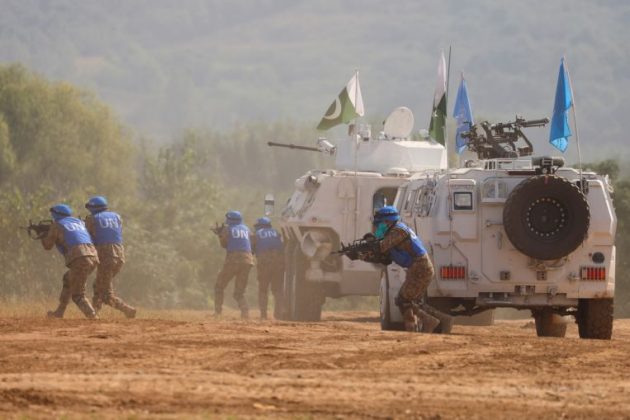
[39,230]
[218,229]
[366,248]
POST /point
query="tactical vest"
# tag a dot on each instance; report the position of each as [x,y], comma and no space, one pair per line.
[404,258]
[267,239]
[107,228]
[238,238]
[74,233]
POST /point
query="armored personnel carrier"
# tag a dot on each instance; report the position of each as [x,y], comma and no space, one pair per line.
[334,205]
[513,231]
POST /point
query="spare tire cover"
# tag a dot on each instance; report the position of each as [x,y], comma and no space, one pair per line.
[546,217]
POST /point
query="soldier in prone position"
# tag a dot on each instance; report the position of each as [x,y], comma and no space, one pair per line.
[235,238]
[267,244]
[73,241]
[105,227]
[402,245]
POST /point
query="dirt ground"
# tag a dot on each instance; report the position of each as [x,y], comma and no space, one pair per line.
[342,367]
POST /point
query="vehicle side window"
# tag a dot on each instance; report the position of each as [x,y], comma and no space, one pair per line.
[462,200]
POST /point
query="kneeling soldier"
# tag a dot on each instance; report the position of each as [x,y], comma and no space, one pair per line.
[73,241]
[404,248]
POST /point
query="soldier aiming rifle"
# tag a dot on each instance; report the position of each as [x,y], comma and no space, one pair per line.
[393,241]
[39,230]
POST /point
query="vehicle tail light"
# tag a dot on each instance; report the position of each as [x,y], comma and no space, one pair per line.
[593,273]
[452,272]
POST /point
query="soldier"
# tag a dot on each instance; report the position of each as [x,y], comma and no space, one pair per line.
[269,266]
[235,238]
[406,249]
[73,241]
[105,227]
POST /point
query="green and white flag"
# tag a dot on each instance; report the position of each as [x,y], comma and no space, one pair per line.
[438,116]
[346,107]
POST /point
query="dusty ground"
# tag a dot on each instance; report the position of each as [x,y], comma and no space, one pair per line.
[342,367]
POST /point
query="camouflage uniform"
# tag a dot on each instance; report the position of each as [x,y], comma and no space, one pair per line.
[270,272]
[112,258]
[81,261]
[237,264]
[419,276]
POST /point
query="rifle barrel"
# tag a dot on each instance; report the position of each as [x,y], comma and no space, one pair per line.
[293,146]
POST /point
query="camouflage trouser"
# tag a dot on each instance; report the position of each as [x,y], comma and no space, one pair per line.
[270,274]
[419,276]
[229,271]
[104,286]
[74,281]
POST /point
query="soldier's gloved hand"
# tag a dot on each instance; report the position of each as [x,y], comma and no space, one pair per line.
[353,255]
[369,237]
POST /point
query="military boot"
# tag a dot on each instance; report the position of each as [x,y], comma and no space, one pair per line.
[119,304]
[446,321]
[429,322]
[85,306]
[218,301]
[57,313]
[410,320]
[97,302]
[262,304]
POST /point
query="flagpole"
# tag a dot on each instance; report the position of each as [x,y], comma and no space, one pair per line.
[577,136]
[356,146]
[448,165]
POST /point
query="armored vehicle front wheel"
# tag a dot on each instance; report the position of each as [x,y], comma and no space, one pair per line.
[546,217]
[595,318]
[303,300]
[549,324]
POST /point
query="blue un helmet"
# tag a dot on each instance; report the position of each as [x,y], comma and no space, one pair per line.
[386,214]
[233,217]
[96,204]
[59,211]
[262,222]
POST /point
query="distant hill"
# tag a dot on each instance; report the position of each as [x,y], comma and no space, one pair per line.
[165,66]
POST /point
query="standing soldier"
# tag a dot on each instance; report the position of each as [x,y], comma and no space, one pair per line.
[73,241]
[269,266]
[105,227]
[235,238]
[406,249]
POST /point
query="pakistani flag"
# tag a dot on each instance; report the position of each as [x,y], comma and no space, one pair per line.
[438,116]
[346,107]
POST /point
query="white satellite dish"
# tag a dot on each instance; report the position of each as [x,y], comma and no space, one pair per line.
[399,124]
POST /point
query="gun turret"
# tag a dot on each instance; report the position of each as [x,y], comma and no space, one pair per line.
[500,140]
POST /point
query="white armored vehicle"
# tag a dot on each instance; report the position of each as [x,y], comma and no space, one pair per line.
[513,231]
[336,205]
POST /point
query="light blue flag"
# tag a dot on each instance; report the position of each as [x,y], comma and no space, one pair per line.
[463,114]
[560,130]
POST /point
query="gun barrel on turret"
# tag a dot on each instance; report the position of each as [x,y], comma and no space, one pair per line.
[293,146]
[534,123]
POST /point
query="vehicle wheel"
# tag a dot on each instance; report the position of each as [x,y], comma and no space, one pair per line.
[549,324]
[386,306]
[595,318]
[303,301]
[546,217]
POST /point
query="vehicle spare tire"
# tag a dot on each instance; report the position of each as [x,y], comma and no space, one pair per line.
[546,217]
